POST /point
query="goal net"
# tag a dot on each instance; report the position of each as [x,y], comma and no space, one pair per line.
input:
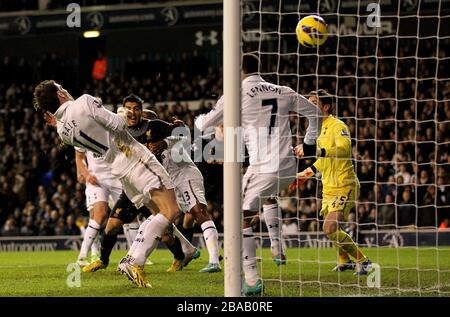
[386,63]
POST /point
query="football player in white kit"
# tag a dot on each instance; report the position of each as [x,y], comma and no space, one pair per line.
[268,138]
[190,190]
[100,185]
[85,123]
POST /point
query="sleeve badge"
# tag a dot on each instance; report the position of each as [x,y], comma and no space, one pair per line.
[344,132]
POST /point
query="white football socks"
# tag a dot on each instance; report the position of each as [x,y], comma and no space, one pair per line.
[249,254]
[139,234]
[152,234]
[212,240]
[272,217]
[90,234]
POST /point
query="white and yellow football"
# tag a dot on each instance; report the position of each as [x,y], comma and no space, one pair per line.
[312,31]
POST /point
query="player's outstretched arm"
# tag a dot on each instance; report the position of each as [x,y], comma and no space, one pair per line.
[212,118]
[314,115]
[105,117]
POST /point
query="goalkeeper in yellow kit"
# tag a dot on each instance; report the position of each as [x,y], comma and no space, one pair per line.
[340,183]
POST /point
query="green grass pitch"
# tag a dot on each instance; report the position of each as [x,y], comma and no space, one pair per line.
[404,272]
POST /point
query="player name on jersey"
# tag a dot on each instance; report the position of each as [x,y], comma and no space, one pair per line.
[254,91]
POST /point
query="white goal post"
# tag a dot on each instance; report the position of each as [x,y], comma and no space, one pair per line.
[232,167]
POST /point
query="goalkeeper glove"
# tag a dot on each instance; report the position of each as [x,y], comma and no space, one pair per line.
[302,177]
[298,181]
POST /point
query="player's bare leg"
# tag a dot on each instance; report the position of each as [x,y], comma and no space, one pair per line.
[253,283]
[98,217]
[210,235]
[272,217]
[343,242]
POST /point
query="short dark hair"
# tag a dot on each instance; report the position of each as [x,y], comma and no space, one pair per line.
[45,96]
[325,98]
[132,98]
[250,63]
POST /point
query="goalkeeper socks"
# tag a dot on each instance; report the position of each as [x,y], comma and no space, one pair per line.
[344,241]
[140,233]
[343,256]
[188,233]
[90,234]
[272,218]
[249,253]
[212,240]
[152,235]
[185,244]
[108,243]
[130,230]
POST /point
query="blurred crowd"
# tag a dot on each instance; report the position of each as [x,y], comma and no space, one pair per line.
[401,138]
[399,128]
[20,5]
[39,194]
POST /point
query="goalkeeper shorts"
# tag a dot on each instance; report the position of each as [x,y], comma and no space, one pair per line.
[342,200]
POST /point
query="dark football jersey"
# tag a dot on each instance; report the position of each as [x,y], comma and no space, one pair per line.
[150,131]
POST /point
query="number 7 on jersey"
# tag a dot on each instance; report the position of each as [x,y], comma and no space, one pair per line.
[274,103]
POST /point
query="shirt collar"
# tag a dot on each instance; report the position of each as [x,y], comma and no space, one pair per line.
[328,119]
[59,113]
[253,78]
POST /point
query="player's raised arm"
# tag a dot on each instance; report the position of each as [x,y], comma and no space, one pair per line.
[105,117]
[303,106]
[212,118]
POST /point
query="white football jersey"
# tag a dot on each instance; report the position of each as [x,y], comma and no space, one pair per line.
[178,162]
[96,164]
[85,123]
[265,121]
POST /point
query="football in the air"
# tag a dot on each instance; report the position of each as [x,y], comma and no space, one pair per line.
[312,31]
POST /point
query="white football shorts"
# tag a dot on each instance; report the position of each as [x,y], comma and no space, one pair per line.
[189,193]
[142,178]
[107,187]
[258,187]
